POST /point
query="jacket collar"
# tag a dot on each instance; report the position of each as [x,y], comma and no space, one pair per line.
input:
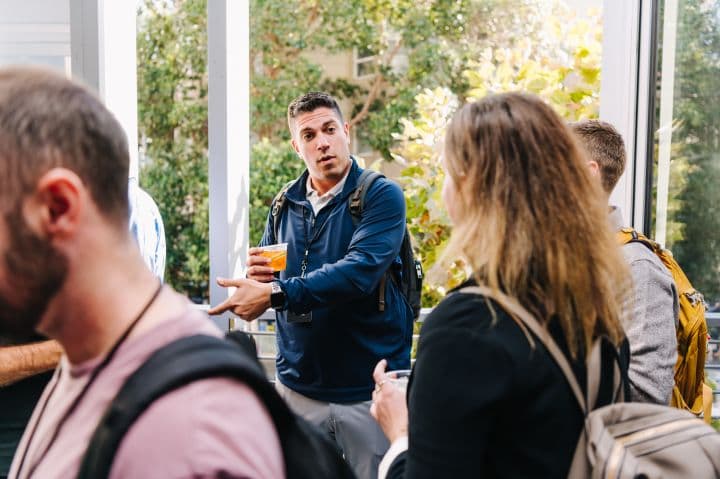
[296,193]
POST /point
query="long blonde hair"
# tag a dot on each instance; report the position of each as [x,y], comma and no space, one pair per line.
[534,224]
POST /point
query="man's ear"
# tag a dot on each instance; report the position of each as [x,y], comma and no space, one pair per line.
[55,207]
[295,147]
[594,168]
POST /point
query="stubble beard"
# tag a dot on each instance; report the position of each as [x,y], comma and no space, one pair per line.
[35,272]
[338,170]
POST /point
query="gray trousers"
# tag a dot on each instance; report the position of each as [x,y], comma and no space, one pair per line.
[350,425]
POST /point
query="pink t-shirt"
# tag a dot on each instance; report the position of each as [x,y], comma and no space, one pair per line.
[210,428]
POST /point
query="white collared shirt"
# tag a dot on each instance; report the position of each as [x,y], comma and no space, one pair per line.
[318,201]
[147,228]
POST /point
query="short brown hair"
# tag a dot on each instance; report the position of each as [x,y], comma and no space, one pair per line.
[311,101]
[605,146]
[49,121]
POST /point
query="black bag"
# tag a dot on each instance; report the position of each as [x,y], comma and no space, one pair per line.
[306,451]
[410,276]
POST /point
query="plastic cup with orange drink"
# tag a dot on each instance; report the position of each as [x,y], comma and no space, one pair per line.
[277,254]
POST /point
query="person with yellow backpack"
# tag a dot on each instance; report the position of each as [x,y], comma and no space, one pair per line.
[690,389]
[652,317]
[667,364]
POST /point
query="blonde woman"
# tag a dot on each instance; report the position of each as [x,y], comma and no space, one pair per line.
[485,399]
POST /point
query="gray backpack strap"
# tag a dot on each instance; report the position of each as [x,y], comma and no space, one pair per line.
[278,203]
[515,310]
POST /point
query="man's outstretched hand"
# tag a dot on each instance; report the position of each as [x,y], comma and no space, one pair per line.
[250,299]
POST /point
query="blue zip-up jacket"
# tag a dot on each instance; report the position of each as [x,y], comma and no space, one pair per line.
[332,357]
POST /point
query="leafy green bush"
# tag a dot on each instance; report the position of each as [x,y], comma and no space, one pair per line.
[172,124]
[562,66]
[271,167]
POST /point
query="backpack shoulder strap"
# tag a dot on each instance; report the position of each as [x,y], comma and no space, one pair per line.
[629,235]
[356,203]
[357,197]
[171,367]
[278,203]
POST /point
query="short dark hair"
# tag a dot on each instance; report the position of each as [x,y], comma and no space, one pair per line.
[49,121]
[605,146]
[311,101]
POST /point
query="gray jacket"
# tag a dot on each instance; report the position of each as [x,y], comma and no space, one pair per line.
[651,323]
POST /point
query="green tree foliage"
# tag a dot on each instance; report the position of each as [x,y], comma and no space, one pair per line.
[271,166]
[172,111]
[563,67]
[461,48]
[415,44]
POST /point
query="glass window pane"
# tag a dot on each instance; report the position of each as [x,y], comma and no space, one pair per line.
[365,67]
[685,198]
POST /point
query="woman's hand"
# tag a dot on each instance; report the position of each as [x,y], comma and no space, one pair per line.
[389,406]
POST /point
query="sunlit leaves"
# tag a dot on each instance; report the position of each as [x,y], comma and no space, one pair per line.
[550,53]
[172,114]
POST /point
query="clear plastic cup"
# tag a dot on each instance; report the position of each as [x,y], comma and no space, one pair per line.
[277,254]
[399,378]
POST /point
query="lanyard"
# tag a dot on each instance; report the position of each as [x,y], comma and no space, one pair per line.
[308,241]
[304,263]
[79,398]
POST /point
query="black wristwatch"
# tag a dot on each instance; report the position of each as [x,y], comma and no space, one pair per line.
[277,296]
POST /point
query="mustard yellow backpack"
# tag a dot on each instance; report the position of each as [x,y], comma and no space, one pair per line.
[691,332]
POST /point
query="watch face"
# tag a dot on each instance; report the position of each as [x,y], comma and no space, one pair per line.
[277,296]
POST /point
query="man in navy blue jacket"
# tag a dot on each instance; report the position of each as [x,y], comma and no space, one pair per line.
[331,330]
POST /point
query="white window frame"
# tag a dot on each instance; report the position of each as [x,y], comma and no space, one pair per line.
[104,56]
[356,144]
[358,60]
[229,144]
[625,100]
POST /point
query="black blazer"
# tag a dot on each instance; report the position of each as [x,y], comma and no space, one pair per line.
[483,403]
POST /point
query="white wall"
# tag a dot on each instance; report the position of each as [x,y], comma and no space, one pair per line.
[35,32]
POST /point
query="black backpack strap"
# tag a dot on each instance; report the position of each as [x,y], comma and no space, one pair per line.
[636,237]
[278,203]
[171,367]
[357,197]
[356,203]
